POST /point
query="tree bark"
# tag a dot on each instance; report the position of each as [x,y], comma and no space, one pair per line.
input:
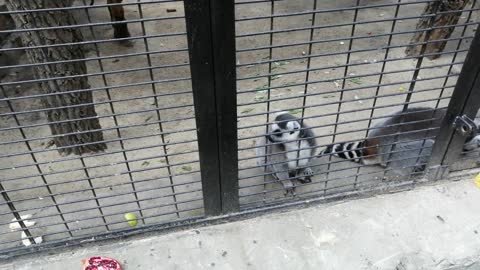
[436,34]
[69,112]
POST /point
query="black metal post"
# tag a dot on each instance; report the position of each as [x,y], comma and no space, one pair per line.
[211,38]
[223,31]
[464,101]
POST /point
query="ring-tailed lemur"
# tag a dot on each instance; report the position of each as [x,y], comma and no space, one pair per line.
[287,150]
[401,129]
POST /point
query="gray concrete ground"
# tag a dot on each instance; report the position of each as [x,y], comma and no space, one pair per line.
[431,227]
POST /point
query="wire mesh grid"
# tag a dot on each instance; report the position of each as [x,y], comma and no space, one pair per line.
[341,67]
[123,140]
[140,87]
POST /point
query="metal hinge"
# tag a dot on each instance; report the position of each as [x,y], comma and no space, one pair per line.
[464,125]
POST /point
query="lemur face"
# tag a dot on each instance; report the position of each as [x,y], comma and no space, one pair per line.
[285,128]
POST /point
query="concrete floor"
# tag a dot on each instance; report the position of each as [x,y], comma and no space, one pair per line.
[431,227]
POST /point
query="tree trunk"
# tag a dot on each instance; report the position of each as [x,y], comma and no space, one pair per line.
[72,119]
[436,34]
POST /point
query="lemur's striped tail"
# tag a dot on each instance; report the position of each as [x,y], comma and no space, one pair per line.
[348,150]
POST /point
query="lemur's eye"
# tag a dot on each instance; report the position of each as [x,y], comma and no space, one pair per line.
[294,130]
[276,132]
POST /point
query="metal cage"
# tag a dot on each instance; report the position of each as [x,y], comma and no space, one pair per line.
[129,116]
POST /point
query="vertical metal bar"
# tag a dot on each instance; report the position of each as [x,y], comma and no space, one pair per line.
[459,44]
[39,169]
[380,79]
[411,88]
[16,214]
[211,42]
[339,108]
[464,101]
[223,30]
[307,76]
[269,86]
[115,119]
[197,15]
[309,62]
[159,117]
[94,193]
[447,78]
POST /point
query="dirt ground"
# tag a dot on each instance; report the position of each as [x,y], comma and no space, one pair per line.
[146,185]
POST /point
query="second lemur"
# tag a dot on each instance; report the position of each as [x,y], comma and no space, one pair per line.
[416,123]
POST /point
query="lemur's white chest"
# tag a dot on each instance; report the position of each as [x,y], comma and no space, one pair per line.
[297,158]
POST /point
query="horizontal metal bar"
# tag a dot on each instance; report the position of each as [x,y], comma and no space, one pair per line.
[303,57]
[95,177]
[95,58]
[330,170]
[116,233]
[150,2]
[305,28]
[352,8]
[355,8]
[109,87]
[337,113]
[112,223]
[98,41]
[256,77]
[83,168]
[107,196]
[331,162]
[321,104]
[345,132]
[95,155]
[348,38]
[330,67]
[343,122]
[40,217]
[320,146]
[92,143]
[102,129]
[345,90]
[137,180]
[288,201]
[329,135]
[333,179]
[352,121]
[87,75]
[112,115]
[257,2]
[322,182]
[90,189]
[308,197]
[89,24]
[128,171]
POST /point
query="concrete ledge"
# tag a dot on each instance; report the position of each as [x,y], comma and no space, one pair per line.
[431,227]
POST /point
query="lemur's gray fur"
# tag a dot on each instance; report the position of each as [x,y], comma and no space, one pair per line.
[399,129]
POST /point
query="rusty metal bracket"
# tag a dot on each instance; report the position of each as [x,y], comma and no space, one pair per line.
[465,126]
